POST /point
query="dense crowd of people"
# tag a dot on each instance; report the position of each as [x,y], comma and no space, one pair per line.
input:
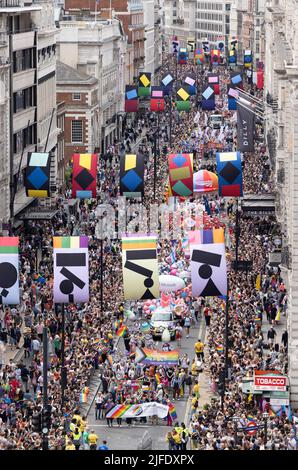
[91,342]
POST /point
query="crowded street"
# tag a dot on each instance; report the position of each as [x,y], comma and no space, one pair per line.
[149,313]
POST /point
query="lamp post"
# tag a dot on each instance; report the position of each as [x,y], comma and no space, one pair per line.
[265,417]
[156,148]
[235,421]
[45,439]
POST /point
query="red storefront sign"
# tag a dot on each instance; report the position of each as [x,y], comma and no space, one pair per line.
[270,380]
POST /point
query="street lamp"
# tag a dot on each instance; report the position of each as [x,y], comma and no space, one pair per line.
[265,418]
[235,421]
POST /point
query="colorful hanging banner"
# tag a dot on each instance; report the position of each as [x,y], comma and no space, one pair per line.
[191,45]
[175,45]
[215,56]
[71,270]
[208,270]
[131,99]
[37,181]
[229,169]
[154,357]
[9,271]
[182,56]
[199,237]
[208,97]
[248,59]
[181,174]
[199,56]
[157,102]
[140,267]
[190,82]
[144,84]
[213,79]
[84,175]
[232,57]
[132,175]
[182,100]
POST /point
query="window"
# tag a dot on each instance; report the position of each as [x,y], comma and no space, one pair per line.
[77,131]
[76,96]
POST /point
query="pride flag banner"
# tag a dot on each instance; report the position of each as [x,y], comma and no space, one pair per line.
[157,358]
[138,411]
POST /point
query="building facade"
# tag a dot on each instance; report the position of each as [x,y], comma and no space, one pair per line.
[180,21]
[27,55]
[281,85]
[78,92]
[98,49]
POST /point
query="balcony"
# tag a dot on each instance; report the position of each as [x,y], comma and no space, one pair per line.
[10,3]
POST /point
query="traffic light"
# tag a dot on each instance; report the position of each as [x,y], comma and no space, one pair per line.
[46,418]
[37,421]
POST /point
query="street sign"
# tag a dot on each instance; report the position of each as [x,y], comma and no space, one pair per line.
[268,380]
[252,428]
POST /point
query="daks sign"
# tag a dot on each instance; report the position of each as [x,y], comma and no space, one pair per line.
[269,380]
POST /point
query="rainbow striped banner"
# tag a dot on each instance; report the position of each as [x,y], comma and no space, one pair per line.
[138,410]
[215,235]
[138,242]
[70,242]
[172,411]
[122,331]
[84,395]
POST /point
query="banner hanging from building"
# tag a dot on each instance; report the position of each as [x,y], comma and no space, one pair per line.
[140,267]
[84,175]
[183,99]
[190,82]
[182,56]
[37,182]
[181,174]
[213,79]
[229,170]
[131,99]
[208,98]
[144,84]
[245,125]
[132,175]
[71,270]
[199,56]
[157,102]
[208,270]
[9,271]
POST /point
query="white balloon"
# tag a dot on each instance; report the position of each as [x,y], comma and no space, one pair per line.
[166,337]
[170,283]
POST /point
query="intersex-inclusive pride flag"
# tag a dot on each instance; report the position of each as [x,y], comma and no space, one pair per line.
[138,411]
[157,358]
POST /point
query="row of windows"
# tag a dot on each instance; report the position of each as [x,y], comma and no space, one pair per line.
[24,99]
[209,6]
[209,27]
[24,138]
[23,60]
[209,16]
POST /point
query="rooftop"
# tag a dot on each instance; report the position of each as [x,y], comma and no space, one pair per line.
[67,74]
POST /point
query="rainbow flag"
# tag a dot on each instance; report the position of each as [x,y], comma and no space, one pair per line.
[118,411]
[157,378]
[172,411]
[122,331]
[84,395]
[39,278]
[219,347]
[250,418]
[271,413]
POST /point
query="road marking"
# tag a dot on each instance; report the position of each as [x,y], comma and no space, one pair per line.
[124,427]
